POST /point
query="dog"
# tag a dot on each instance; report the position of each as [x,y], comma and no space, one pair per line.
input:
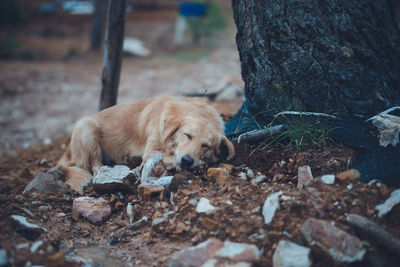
[187,131]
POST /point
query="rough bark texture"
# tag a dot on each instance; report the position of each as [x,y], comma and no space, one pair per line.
[339,57]
[113,53]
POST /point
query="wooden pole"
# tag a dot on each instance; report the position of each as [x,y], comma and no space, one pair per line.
[113,53]
[97,30]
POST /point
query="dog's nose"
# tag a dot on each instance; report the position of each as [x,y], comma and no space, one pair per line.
[186,161]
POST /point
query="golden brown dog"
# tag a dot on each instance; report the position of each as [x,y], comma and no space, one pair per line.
[186,131]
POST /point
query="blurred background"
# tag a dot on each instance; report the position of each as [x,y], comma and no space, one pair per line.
[51,59]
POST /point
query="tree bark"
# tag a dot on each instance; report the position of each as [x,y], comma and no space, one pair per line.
[113,53]
[337,57]
[97,30]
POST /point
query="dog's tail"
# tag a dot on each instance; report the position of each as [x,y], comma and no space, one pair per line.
[77,178]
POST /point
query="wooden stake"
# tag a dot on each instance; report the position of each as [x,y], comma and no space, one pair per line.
[113,53]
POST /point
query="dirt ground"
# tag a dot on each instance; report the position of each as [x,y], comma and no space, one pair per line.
[41,99]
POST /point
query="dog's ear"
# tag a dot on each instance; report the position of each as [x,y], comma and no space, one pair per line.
[226,149]
[170,124]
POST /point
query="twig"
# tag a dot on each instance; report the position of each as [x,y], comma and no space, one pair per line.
[375,231]
[384,112]
[304,113]
[256,135]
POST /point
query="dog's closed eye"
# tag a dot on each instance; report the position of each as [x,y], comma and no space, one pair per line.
[204,146]
[188,136]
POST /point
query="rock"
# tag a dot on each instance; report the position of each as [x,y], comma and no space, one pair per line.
[328,179]
[119,178]
[44,208]
[340,245]
[204,206]
[314,199]
[158,221]
[271,204]
[288,254]
[387,206]
[95,210]
[3,258]
[208,223]
[140,223]
[220,175]
[165,181]
[60,214]
[51,181]
[196,256]
[215,253]
[239,252]
[350,186]
[249,173]
[148,191]
[242,176]
[352,175]
[35,246]
[304,176]
[135,47]
[259,179]
[94,256]
[26,229]
[389,129]
[153,168]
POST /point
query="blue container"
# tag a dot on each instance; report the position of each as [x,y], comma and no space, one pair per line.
[189,9]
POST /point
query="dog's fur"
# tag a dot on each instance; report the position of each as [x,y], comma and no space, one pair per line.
[180,128]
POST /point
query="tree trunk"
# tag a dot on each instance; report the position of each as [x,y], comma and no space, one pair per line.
[338,57]
[113,53]
[97,30]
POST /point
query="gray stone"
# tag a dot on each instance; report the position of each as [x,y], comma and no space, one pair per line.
[94,256]
[26,229]
[119,178]
[22,221]
[387,206]
[288,254]
[165,181]
[140,223]
[340,245]
[271,204]
[204,206]
[95,210]
[153,168]
[158,221]
[304,176]
[51,181]
[196,256]
[3,258]
[259,179]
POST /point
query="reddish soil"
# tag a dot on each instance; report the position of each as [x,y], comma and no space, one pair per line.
[41,99]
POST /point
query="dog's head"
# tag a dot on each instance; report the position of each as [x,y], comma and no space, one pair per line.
[195,139]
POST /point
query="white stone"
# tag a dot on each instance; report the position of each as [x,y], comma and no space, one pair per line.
[387,206]
[165,181]
[135,47]
[204,206]
[288,254]
[242,176]
[250,173]
[239,252]
[271,204]
[328,179]
[116,174]
[35,246]
[259,179]
[350,186]
[22,220]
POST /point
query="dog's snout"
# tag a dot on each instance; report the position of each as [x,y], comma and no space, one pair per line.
[186,161]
